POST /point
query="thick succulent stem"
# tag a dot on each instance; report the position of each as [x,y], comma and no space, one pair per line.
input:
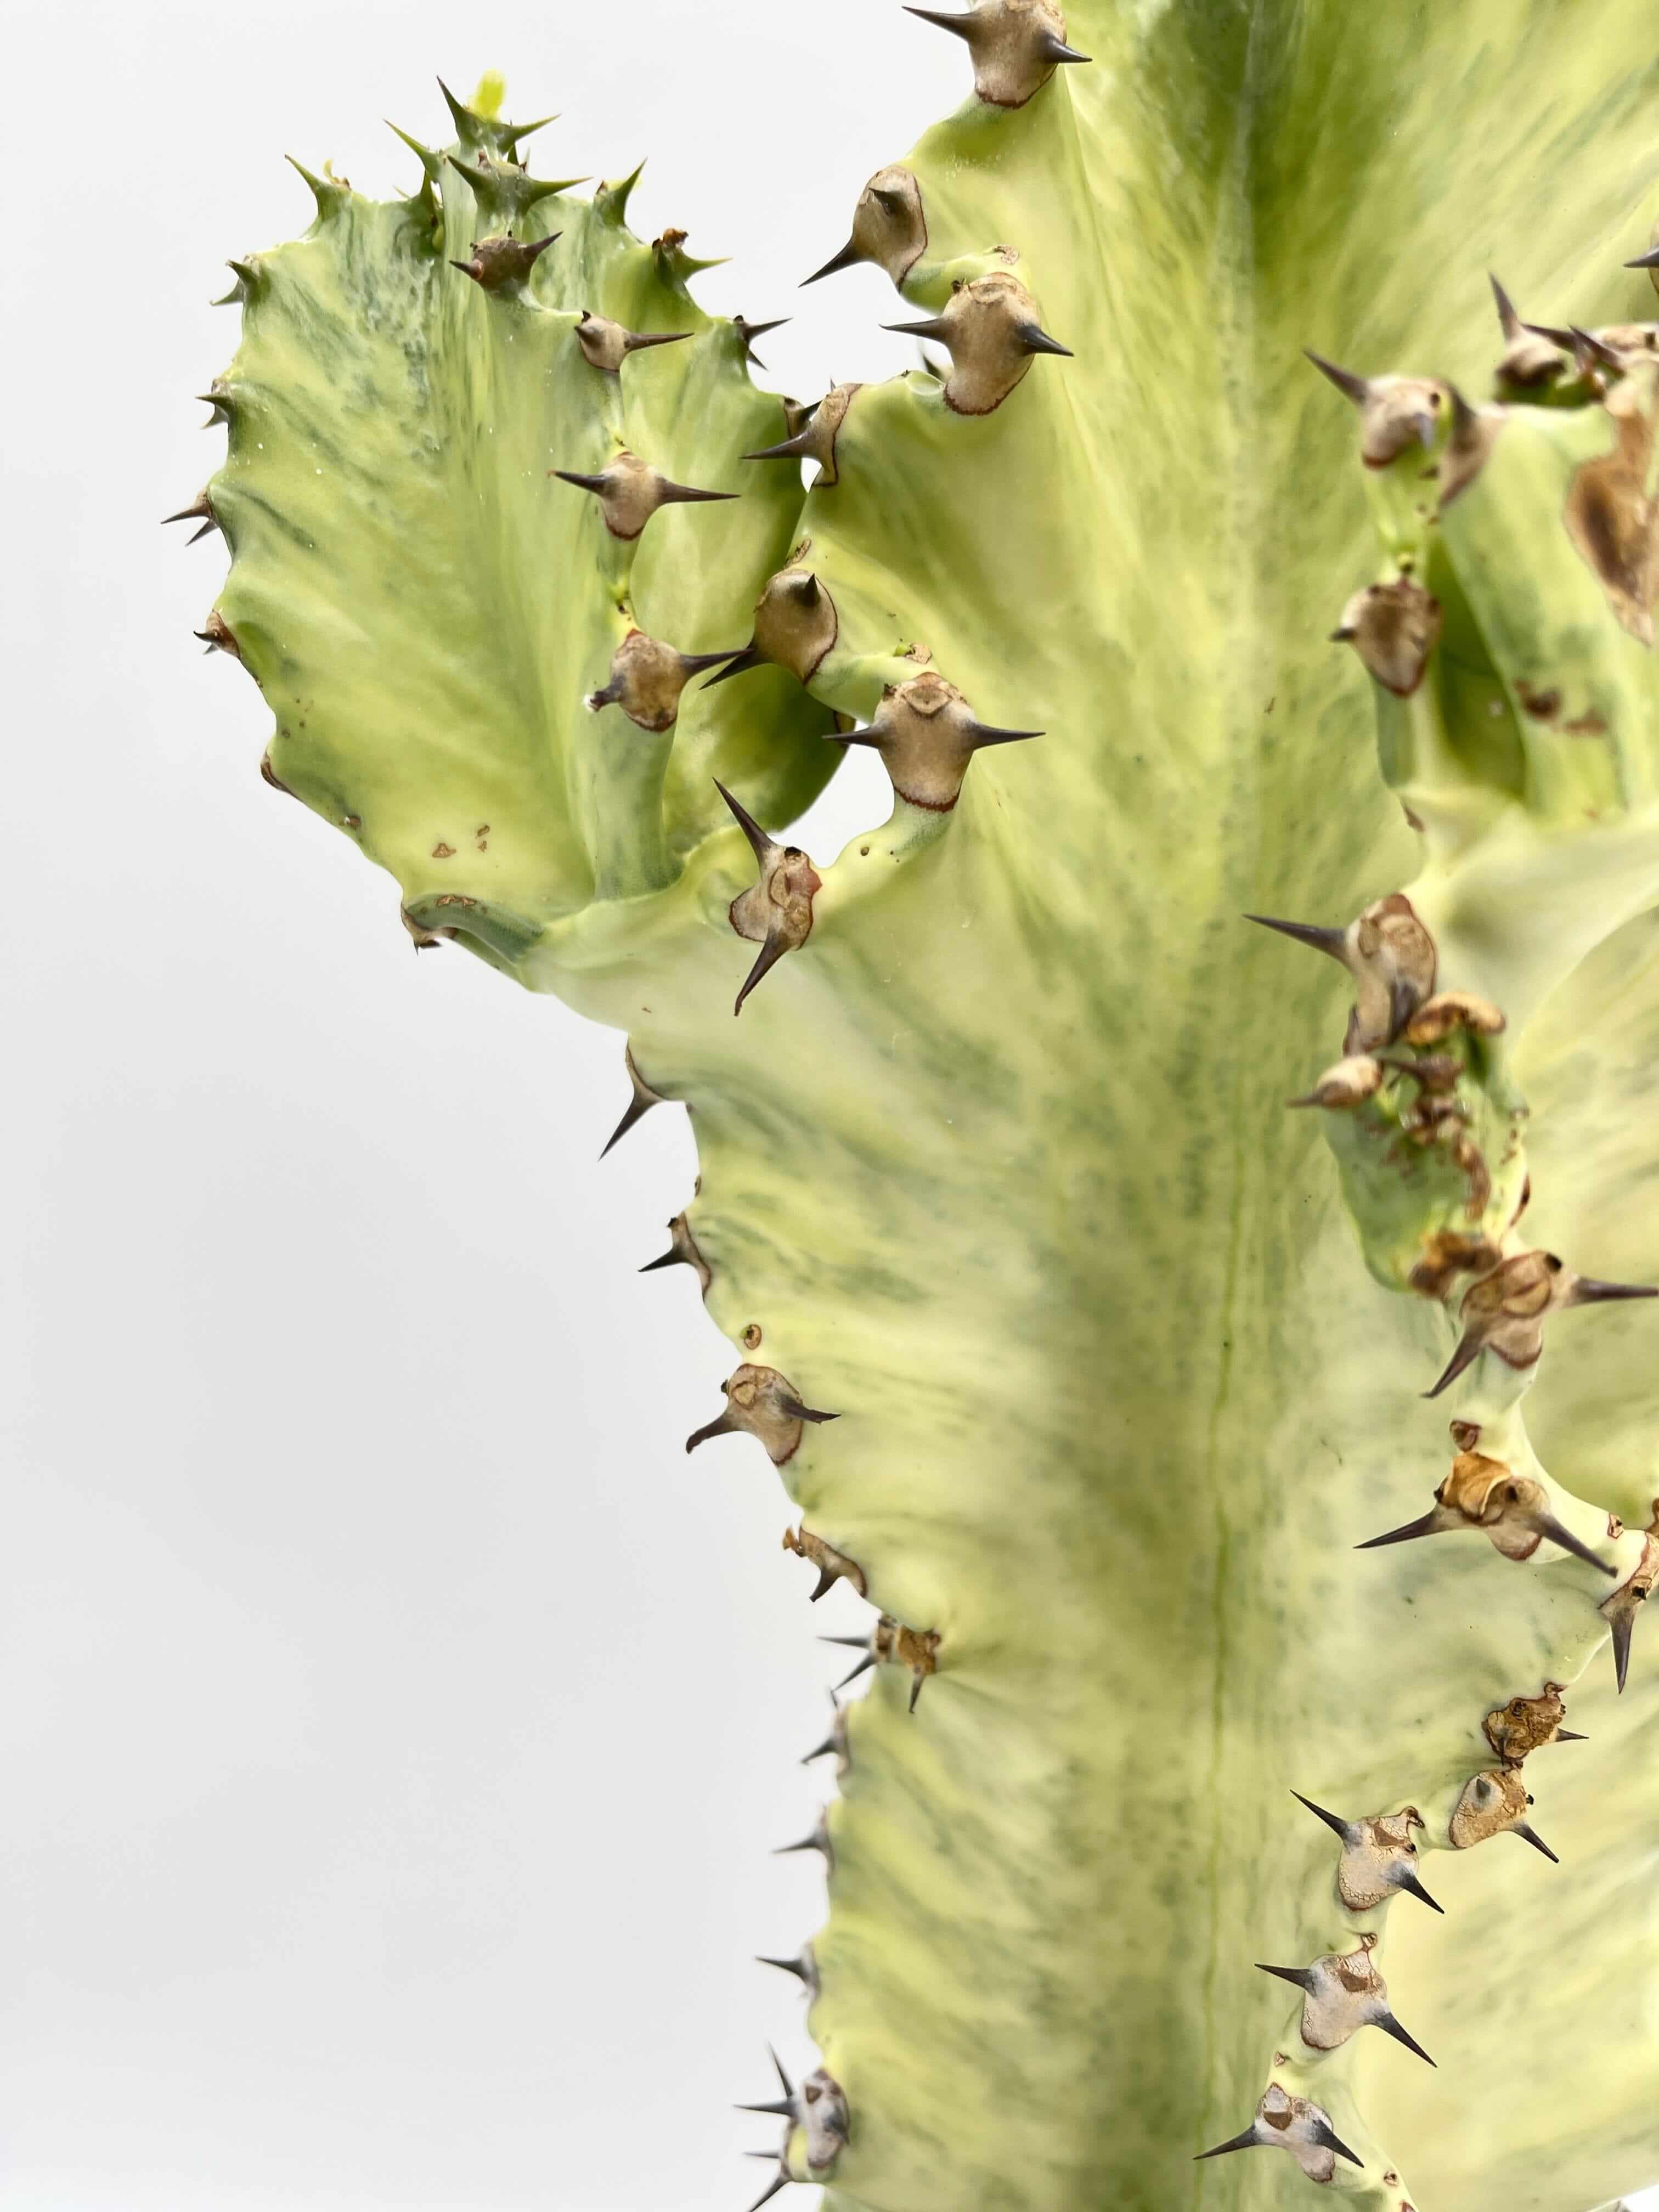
[1123,1402]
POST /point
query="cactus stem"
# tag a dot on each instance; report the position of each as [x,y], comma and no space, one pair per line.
[643,1100]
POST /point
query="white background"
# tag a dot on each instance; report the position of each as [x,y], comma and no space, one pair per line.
[393,1722]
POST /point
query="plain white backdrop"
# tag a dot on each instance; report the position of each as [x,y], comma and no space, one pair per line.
[394,1724]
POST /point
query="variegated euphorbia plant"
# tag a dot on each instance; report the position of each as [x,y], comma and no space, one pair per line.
[1077,1352]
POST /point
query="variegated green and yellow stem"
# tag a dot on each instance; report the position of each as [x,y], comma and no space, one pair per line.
[1048,1311]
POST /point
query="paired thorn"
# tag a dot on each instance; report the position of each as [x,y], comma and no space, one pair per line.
[1505,1311]
[1513,1510]
[994,331]
[1396,412]
[199,510]
[1343,1992]
[647,679]
[1283,2122]
[776,913]
[813,434]
[502,261]
[760,1403]
[606,345]
[1015,48]
[630,491]
[926,734]
[747,332]
[1378,1856]
[889,1643]
[796,624]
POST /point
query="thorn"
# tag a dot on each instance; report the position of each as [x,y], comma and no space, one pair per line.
[747,332]
[845,259]
[933,327]
[460,114]
[678,495]
[1550,1526]
[818,1841]
[1297,1977]
[1331,941]
[793,1409]
[766,2196]
[759,843]
[597,485]
[1036,339]
[1509,320]
[827,1580]
[1569,1735]
[1531,1835]
[643,1100]
[1344,1828]
[1621,1625]
[785,1965]
[1357,388]
[197,511]
[1589,350]
[1327,2138]
[1053,48]
[863,1667]
[797,448]
[1402,1004]
[916,1682]
[777,2109]
[848,1643]
[1430,1524]
[1648,260]
[431,163]
[1467,1353]
[1390,2026]
[982,733]
[1587,1292]
[721,1426]
[1247,2140]
[828,1745]
[638,341]
[765,961]
[669,1260]
[737,664]
[960,26]
[1405,1879]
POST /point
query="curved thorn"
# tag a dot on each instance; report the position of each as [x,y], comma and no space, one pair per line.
[1390,2026]
[845,259]
[1337,1826]
[796,1412]
[1530,1835]
[1509,320]
[1427,1525]
[1465,1357]
[759,843]
[1550,1526]
[743,658]
[1036,339]
[1245,2142]
[1357,388]
[721,1426]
